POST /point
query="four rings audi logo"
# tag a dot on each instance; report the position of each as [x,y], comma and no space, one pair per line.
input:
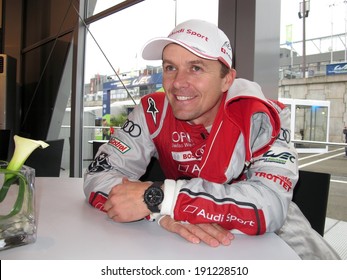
[284,135]
[133,129]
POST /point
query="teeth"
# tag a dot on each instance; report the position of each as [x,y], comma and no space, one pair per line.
[183,98]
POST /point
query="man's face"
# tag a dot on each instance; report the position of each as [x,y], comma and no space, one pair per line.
[193,85]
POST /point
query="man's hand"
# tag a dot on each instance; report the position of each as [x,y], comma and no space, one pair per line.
[211,234]
[125,201]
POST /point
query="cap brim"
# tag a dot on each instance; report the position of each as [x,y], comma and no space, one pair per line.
[153,50]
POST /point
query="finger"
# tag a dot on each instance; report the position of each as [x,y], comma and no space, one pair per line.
[226,231]
[176,227]
[184,232]
[125,180]
[111,214]
[109,208]
[217,231]
[222,235]
[114,215]
[107,205]
[203,235]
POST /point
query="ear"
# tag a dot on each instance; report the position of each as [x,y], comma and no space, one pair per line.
[228,80]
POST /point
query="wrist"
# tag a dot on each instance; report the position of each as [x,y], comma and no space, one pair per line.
[171,190]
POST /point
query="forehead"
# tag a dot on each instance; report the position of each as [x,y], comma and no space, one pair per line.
[173,53]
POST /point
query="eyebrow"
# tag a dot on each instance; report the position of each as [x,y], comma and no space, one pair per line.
[191,62]
[197,61]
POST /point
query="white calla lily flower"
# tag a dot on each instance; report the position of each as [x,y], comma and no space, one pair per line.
[23,149]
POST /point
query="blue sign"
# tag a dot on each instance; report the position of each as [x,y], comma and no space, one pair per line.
[336,68]
[106,100]
[135,82]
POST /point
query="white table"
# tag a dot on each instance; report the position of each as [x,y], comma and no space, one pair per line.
[69,228]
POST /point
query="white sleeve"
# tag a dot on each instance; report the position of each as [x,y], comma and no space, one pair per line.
[127,154]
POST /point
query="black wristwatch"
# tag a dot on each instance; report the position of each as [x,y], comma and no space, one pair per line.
[153,196]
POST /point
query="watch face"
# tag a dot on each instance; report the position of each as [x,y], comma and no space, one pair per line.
[153,196]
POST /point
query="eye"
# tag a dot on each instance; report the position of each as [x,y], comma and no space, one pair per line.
[169,68]
[196,68]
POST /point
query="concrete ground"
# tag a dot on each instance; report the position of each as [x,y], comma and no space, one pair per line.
[335,163]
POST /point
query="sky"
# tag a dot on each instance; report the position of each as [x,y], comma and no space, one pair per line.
[123,44]
[326,17]
[122,39]
[318,23]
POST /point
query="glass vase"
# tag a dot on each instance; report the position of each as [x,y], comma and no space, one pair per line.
[17,207]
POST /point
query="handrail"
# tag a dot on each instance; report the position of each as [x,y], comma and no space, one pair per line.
[320,142]
[294,141]
[92,126]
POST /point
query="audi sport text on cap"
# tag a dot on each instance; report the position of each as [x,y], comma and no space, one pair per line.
[200,37]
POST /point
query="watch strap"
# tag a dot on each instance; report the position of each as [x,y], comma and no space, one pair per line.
[154,208]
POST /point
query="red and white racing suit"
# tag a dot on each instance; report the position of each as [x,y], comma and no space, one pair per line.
[241,171]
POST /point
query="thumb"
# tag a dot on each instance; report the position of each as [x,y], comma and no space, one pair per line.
[125,180]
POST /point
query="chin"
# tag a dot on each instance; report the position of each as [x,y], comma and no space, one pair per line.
[182,117]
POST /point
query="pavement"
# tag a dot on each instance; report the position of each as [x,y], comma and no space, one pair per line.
[335,163]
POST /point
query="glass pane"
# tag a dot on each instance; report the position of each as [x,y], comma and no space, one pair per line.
[97,6]
[311,124]
[318,123]
[313,59]
[46,21]
[299,123]
[37,104]
[324,33]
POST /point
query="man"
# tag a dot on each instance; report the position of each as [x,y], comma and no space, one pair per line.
[224,148]
[105,130]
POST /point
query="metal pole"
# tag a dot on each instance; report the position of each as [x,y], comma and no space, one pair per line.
[332,32]
[304,40]
[175,12]
[345,2]
[291,58]
[76,131]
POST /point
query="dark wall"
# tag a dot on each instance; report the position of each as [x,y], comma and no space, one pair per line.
[255,37]
[38,34]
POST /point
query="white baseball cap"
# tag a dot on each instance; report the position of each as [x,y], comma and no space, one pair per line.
[200,37]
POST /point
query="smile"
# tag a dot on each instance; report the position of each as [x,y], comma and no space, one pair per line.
[184,98]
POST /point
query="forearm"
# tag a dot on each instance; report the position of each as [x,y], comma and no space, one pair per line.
[124,156]
[252,206]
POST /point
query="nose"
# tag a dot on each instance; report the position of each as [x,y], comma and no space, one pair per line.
[180,80]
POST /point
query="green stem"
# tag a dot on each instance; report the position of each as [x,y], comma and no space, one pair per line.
[20,198]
